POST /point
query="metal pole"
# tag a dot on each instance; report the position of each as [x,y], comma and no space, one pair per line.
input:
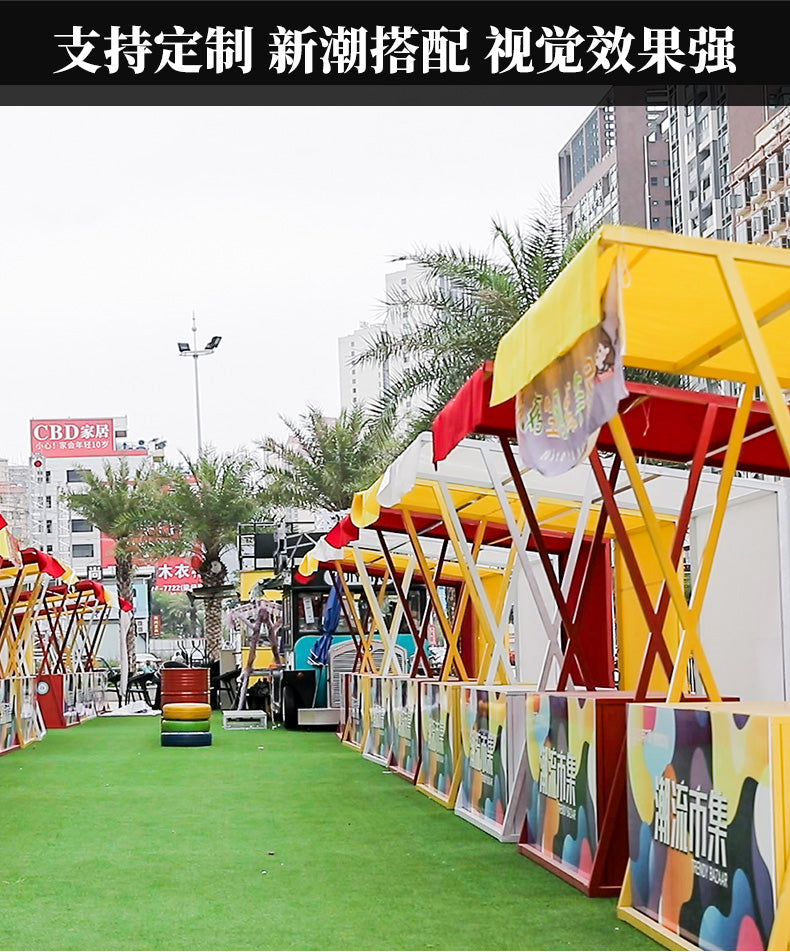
[197,386]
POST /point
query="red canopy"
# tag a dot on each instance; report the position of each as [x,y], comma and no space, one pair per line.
[469,411]
[662,423]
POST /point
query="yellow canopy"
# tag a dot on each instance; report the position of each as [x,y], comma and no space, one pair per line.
[680,303]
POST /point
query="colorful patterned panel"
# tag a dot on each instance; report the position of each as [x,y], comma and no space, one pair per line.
[484,782]
[27,710]
[438,744]
[99,691]
[403,722]
[376,735]
[355,723]
[700,823]
[7,714]
[561,779]
[70,696]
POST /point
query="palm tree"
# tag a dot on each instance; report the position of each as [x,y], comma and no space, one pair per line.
[458,313]
[127,509]
[325,460]
[206,500]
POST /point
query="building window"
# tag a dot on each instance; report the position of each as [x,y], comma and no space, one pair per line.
[48,502]
[653,181]
[82,551]
[49,548]
[81,525]
[74,476]
[49,526]
[47,476]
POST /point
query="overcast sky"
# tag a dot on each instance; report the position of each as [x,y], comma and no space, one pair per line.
[276,225]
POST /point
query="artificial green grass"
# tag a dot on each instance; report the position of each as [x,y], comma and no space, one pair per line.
[266,840]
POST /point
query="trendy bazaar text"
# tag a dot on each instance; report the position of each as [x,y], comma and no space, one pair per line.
[693,821]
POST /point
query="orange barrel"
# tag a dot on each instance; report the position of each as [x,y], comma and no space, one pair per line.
[185,685]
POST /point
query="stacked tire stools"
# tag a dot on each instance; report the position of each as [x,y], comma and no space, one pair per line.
[186,711]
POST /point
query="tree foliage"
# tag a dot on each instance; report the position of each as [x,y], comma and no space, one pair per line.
[127,508]
[324,461]
[461,309]
[205,500]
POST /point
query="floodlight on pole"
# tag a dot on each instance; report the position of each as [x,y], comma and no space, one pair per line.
[185,350]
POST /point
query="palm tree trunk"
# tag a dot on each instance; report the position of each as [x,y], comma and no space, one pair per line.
[213,628]
[124,576]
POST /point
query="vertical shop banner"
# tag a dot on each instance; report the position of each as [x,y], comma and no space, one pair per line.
[561,784]
[404,735]
[559,413]
[484,781]
[438,745]
[700,823]
[376,746]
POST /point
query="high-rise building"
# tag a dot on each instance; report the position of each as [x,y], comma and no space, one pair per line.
[615,170]
[708,137]
[665,164]
[364,384]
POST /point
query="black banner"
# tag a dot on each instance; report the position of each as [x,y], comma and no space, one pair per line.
[408,52]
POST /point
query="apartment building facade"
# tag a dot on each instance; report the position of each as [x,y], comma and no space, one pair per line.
[615,170]
[761,186]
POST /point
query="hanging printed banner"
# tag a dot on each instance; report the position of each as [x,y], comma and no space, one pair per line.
[700,823]
[559,413]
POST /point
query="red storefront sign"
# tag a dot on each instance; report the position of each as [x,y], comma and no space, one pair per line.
[176,575]
[59,438]
[172,574]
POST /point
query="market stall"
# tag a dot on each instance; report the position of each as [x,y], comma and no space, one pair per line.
[707,846]
[68,630]
[24,576]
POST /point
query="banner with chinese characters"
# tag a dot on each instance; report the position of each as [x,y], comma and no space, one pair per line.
[376,745]
[176,574]
[484,738]
[440,766]
[561,801]
[559,413]
[403,725]
[353,735]
[72,438]
[700,822]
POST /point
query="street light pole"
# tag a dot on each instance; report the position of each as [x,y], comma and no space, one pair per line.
[186,351]
[197,385]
